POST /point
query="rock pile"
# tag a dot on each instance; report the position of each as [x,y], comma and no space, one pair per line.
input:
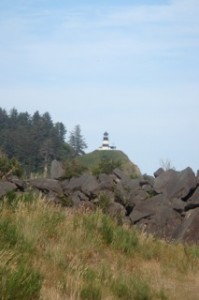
[166,205]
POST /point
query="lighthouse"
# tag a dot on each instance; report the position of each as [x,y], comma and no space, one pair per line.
[105,143]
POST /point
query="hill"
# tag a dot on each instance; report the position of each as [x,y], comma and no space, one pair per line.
[47,252]
[91,161]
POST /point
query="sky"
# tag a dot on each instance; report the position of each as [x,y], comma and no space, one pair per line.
[127,67]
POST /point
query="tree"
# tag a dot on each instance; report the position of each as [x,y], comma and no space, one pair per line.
[77,142]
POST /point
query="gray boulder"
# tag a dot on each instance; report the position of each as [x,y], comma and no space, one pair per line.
[188,231]
[173,184]
[156,216]
[56,170]
[106,182]
[158,172]
[116,211]
[193,201]
[46,185]
[86,183]
[6,187]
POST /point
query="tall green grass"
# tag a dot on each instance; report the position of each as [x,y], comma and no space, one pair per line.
[48,252]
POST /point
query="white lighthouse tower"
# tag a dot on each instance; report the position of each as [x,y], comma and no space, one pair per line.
[105,143]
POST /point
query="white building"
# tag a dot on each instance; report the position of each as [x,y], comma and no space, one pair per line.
[105,143]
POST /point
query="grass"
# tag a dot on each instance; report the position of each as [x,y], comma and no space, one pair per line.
[47,252]
[93,159]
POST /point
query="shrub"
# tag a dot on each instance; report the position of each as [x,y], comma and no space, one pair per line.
[10,167]
[73,168]
[106,166]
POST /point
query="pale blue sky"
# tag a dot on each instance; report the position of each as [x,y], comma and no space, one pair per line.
[128,67]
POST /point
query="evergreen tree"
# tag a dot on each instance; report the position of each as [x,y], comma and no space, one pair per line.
[77,142]
[34,140]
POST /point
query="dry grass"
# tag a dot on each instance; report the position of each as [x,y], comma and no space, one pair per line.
[85,255]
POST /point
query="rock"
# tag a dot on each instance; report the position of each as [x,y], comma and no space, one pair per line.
[149,179]
[158,172]
[119,174]
[106,182]
[156,216]
[177,204]
[77,197]
[85,183]
[138,215]
[173,184]
[188,231]
[128,192]
[21,184]
[197,176]
[6,187]
[193,201]
[47,185]
[56,170]
[53,198]
[164,223]
[116,211]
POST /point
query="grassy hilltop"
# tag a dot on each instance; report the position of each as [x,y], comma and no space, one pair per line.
[47,252]
[92,160]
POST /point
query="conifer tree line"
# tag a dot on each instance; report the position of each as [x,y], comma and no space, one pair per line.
[35,140]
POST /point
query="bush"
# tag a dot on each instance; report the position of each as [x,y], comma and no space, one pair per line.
[9,167]
[73,168]
[106,166]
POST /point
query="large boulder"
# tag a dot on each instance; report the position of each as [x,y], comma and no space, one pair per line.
[56,170]
[46,185]
[116,211]
[155,215]
[129,192]
[106,182]
[86,183]
[6,187]
[193,201]
[173,184]
[188,231]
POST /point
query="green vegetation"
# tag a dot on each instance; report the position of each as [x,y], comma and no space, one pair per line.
[9,166]
[73,168]
[47,252]
[77,142]
[34,140]
[105,161]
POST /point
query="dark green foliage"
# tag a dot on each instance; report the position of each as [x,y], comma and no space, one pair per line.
[34,140]
[106,166]
[73,168]
[9,167]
